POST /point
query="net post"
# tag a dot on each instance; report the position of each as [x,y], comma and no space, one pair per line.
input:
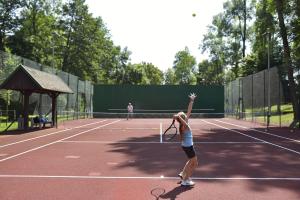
[160,132]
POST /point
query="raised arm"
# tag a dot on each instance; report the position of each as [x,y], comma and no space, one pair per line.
[192,97]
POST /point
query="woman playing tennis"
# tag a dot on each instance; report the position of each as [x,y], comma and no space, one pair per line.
[186,138]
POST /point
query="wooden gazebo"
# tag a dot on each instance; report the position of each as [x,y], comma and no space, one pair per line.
[28,80]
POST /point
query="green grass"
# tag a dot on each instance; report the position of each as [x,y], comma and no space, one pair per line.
[3,118]
[285,118]
[14,126]
[3,126]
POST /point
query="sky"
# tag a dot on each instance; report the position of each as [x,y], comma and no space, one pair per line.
[155,30]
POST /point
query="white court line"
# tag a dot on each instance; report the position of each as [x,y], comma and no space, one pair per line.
[57,141]
[171,110]
[291,150]
[153,142]
[109,142]
[49,134]
[287,138]
[151,177]
[133,129]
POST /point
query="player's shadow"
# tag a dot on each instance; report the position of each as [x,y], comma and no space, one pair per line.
[172,194]
[221,153]
[21,132]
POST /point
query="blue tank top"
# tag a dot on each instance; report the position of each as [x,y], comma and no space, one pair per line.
[187,138]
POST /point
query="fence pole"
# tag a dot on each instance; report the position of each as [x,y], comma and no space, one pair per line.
[265,114]
[252,98]
[279,103]
[269,82]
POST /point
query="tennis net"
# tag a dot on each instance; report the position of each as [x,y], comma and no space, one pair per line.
[157,114]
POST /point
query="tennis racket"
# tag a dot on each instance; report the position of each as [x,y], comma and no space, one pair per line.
[170,132]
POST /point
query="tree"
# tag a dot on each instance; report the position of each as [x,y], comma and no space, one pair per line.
[170,78]
[8,19]
[227,36]
[214,43]
[151,75]
[264,24]
[208,73]
[133,75]
[184,67]
[288,61]
[142,74]
[121,68]
[249,65]
[67,37]
[88,51]
[34,37]
[9,63]
[75,18]
[295,32]
[236,16]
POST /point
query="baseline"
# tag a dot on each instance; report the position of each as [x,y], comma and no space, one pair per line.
[149,177]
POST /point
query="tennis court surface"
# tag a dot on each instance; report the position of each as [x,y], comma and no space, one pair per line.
[126,159]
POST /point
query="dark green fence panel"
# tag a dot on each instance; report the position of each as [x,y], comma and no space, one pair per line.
[115,98]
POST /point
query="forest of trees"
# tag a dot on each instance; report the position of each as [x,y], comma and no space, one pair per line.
[65,35]
[236,42]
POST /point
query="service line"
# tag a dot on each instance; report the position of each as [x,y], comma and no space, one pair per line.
[50,134]
[270,143]
[287,138]
[57,141]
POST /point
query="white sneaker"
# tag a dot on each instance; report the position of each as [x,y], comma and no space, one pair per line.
[191,182]
[187,183]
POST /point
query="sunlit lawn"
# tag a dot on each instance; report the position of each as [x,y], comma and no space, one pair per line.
[14,126]
[4,125]
[284,118]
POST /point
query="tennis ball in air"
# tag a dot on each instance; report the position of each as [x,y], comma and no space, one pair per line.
[194,14]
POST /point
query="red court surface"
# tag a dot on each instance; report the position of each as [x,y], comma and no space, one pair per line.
[119,159]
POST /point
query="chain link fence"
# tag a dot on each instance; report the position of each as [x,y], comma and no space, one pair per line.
[256,96]
[68,105]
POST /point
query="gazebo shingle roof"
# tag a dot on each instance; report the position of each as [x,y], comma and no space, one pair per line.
[29,79]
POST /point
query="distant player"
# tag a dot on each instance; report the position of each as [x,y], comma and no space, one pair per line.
[186,138]
[129,111]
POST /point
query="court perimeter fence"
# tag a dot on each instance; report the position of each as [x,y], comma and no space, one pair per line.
[249,98]
[245,98]
[40,104]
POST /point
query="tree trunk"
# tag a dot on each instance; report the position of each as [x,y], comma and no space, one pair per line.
[297,8]
[245,28]
[1,43]
[288,62]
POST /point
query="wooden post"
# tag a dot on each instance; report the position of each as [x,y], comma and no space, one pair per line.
[25,108]
[54,113]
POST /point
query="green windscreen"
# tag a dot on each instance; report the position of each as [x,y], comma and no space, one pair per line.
[150,98]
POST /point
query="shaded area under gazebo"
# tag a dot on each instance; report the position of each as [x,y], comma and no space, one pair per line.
[28,80]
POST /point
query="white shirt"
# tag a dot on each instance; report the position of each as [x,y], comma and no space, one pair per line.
[130,108]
